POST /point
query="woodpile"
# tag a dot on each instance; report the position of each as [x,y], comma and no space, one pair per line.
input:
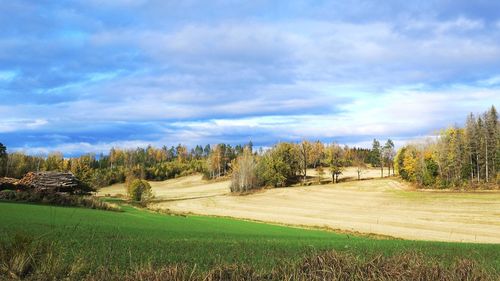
[51,182]
[8,183]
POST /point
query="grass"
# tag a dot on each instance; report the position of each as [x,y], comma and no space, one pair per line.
[124,240]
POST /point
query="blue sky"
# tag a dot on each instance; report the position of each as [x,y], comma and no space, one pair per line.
[83,76]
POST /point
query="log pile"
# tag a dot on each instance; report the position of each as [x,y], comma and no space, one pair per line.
[50,182]
[8,183]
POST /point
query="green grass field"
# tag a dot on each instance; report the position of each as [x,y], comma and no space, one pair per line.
[133,237]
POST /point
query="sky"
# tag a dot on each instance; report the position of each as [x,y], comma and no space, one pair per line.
[85,76]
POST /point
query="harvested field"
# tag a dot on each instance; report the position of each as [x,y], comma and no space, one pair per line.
[380,206]
[176,189]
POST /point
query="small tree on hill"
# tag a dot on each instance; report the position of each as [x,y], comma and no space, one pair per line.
[335,161]
[139,190]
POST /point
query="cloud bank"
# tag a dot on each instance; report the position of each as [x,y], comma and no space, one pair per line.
[83,76]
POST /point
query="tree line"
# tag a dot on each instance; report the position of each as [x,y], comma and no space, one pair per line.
[104,169]
[281,165]
[459,156]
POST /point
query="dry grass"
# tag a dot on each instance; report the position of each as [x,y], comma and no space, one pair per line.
[330,265]
[23,256]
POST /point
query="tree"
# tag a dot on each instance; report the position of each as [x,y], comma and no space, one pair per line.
[304,149]
[360,165]
[335,160]
[249,145]
[491,142]
[389,154]
[377,156]
[316,153]
[216,161]
[54,162]
[279,165]
[3,159]
[321,172]
[244,177]
[206,150]
[471,146]
[181,152]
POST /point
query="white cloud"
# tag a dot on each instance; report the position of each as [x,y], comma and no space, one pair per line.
[234,79]
[6,76]
[12,125]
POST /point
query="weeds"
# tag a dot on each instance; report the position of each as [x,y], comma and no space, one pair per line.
[24,256]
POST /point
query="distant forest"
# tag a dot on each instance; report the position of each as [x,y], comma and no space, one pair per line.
[458,156]
[289,161]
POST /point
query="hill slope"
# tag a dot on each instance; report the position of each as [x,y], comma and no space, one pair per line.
[125,239]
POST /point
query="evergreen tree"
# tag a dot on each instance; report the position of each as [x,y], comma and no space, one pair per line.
[377,156]
[491,141]
[3,159]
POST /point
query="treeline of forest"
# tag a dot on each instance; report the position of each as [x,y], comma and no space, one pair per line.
[152,163]
[458,157]
[282,165]
[101,170]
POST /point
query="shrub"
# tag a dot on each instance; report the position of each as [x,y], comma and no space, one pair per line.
[7,194]
[58,199]
[139,190]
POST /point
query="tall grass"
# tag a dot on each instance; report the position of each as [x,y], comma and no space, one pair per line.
[23,257]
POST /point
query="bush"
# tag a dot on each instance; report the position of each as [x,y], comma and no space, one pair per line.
[7,194]
[139,190]
[58,199]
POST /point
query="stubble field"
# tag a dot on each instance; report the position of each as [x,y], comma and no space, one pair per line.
[379,206]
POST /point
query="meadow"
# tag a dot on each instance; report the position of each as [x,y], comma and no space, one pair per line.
[137,237]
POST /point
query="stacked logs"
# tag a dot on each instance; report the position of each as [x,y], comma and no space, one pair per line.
[50,182]
[8,183]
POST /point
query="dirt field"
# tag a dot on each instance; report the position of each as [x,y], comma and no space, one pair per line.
[380,206]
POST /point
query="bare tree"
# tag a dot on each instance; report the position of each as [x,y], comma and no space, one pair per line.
[360,165]
[244,177]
